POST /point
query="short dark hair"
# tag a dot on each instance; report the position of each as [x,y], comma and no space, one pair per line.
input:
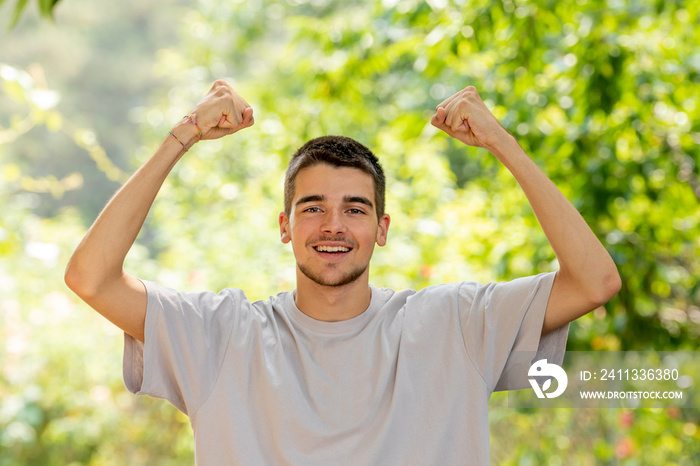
[337,151]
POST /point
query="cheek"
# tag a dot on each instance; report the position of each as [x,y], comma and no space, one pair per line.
[299,233]
[370,236]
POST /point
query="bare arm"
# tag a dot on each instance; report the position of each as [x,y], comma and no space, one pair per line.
[587,277]
[95,271]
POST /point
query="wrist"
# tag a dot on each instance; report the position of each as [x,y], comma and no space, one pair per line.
[504,146]
[185,133]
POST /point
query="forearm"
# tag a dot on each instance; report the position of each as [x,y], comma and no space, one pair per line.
[100,255]
[581,256]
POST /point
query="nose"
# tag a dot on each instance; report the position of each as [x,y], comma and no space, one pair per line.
[333,223]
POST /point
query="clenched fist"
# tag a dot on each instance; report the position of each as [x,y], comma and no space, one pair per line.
[465,117]
[222,111]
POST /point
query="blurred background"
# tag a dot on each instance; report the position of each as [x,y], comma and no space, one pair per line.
[604,95]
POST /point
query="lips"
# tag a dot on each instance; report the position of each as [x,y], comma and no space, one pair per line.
[333,247]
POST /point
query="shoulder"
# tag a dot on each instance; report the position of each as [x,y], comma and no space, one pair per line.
[523,289]
[228,304]
[467,294]
[518,288]
[429,299]
[168,295]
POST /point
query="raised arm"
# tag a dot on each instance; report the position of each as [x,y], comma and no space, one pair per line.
[587,276]
[95,271]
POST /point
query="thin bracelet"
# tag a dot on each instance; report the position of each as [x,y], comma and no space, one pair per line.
[193,119]
[183,144]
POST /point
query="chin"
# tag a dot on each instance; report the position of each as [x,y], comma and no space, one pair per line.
[332,280]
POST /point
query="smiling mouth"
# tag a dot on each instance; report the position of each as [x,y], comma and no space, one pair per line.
[332,249]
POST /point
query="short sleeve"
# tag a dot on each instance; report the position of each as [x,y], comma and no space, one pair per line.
[186,335]
[502,327]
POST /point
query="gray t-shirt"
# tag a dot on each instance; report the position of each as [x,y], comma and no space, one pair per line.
[405,382]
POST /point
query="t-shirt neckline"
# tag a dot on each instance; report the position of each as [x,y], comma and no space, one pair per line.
[340,327]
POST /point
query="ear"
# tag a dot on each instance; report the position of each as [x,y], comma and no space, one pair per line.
[285,233]
[383,229]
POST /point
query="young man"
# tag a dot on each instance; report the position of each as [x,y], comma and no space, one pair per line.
[338,371]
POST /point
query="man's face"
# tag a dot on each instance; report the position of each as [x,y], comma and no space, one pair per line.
[333,224]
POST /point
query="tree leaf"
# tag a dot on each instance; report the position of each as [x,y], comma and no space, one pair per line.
[45,8]
[19,7]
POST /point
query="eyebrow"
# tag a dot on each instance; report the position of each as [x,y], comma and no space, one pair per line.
[311,198]
[358,200]
[346,199]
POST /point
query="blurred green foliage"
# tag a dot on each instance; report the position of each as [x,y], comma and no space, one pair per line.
[45,7]
[603,95]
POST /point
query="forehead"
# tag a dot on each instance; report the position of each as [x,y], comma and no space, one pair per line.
[333,182]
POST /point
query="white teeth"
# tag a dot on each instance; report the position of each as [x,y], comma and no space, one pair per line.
[332,249]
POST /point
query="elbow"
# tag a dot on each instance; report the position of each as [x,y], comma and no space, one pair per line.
[72,279]
[609,285]
[78,281]
[594,289]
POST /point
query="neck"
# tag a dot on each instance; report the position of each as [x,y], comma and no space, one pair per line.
[332,303]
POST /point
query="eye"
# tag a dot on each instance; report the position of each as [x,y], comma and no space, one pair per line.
[312,210]
[356,211]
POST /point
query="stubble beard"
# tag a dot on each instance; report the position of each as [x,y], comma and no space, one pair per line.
[343,280]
